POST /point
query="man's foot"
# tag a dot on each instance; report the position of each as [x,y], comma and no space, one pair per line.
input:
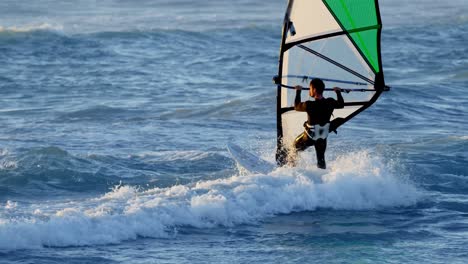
[321,165]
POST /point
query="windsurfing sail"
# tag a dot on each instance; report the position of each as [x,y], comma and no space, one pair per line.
[337,41]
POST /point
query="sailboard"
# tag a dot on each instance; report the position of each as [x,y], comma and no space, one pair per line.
[250,162]
[337,41]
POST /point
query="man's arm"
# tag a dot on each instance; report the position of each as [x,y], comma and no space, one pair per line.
[340,102]
[298,105]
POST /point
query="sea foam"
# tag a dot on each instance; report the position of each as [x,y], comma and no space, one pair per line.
[31,28]
[356,181]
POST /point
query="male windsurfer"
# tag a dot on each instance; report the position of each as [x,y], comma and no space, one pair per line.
[317,125]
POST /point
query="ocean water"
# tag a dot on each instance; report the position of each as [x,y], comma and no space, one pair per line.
[114,120]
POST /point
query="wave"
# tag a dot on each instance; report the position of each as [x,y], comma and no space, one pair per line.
[461,138]
[357,181]
[32,28]
[139,32]
[99,113]
[461,75]
[239,108]
[44,172]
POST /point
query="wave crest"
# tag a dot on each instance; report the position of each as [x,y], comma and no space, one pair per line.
[31,28]
[356,181]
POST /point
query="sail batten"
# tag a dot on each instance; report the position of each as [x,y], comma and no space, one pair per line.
[330,34]
[308,78]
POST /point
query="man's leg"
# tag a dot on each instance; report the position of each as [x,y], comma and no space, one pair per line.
[320,147]
[301,143]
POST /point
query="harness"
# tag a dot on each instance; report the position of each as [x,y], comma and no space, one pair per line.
[317,131]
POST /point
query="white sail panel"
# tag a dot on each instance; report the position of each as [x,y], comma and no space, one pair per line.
[293,126]
[311,18]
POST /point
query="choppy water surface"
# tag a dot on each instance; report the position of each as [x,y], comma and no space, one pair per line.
[115,115]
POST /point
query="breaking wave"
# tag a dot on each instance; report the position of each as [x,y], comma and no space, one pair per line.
[357,181]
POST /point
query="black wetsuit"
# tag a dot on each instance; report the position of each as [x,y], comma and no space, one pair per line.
[318,113]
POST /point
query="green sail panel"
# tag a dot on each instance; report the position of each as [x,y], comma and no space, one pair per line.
[352,15]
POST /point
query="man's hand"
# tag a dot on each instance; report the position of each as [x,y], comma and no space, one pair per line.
[298,88]
[338,89]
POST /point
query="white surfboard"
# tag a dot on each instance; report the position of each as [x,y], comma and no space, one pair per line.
[250,162]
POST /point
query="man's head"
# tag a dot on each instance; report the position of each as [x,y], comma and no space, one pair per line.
[316,87]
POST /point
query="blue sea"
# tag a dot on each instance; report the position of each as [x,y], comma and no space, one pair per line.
[114,120]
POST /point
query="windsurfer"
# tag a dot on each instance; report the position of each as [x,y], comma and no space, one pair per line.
[317,126]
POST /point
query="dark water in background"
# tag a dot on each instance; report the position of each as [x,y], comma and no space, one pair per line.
[115,115]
